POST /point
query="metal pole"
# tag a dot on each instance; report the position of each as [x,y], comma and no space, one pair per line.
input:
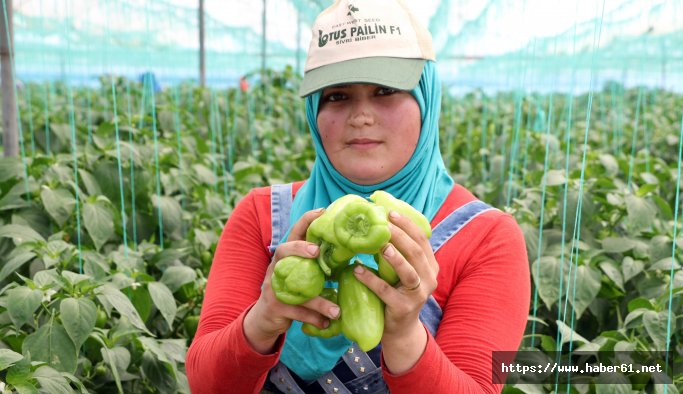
[202,54]
[263,42]
[9,108]
[298,41]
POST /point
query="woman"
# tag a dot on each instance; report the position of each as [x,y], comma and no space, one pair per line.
[372,102]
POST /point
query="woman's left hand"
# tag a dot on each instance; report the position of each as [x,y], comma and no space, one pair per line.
[411,256]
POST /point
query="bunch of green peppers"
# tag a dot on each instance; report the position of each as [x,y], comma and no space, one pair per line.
[351,225]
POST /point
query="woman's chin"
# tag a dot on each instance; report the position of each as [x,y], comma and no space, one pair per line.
[368,176]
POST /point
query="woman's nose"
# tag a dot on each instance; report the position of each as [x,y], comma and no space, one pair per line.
[361,114]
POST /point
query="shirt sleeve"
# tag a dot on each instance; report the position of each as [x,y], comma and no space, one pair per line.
[486,311]
[220,356]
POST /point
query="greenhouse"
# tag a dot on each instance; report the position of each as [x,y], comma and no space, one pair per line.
[134,129]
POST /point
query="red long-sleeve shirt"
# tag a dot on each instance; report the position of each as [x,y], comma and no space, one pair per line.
[483,290]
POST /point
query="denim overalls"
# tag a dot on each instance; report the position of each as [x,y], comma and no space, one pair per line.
[357,371]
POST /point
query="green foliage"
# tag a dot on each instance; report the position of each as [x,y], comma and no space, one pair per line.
[107,242]
[602,255]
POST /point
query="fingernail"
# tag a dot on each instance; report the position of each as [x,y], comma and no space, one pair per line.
[394,215]
[312,249]
[389,250]
[359,269]
[326,323]
[334,312]
[318,210]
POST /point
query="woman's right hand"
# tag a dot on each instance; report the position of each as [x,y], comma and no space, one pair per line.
[269,318]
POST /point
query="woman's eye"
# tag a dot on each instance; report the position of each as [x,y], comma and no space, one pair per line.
[334,96]
[384,91]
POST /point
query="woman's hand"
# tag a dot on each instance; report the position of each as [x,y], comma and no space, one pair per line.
[411,256]
[270,318]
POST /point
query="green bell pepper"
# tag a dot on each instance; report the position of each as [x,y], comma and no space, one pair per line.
[391,203]
[362,227]
[362,311]
[322,228]
[333,329]
[386,270]
[332,256]
[296,280]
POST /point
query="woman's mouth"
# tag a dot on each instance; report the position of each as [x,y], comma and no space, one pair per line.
[363,143]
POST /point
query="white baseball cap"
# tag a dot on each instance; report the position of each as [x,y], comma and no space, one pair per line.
[366,41]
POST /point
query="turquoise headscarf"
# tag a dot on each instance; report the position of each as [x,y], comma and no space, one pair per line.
[423,182]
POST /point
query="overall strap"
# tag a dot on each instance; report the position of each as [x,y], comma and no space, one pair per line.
[454,222]
[280,207]
[431,312]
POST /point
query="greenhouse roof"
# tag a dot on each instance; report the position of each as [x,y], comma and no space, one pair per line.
[85,38]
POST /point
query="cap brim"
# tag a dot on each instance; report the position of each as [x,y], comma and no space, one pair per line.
[397,73]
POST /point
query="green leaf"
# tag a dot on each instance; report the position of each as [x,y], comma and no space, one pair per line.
[73,278]
[610,163]
[54,250]
[94,264]
[109,357]
[568,335]
[659,247]
[127,260]
[142,301]
[59,203]
[662,388]
[640,302]
[664,207]
[26,388]
[555,178]
[587,288]
[678,280]
[51,381]
[175,349]
[11,167]
[8,358]
[616,245]
[612,383]
[547,279]
[204,175]
[164,301]
[90,183]
[177,275]
[665,264]
[78,316]
[548,343]
[123,305]
[630,268]
[612,271]
[526,388]
[171,212]
[20,233]
[169,256]
[160,373]
[52,344]
[656,326]
[14,263]
[20,374]
[205,238]
[641,213]
[645,189]
[22,302]
[625,346]
[649,178]
[118,359]
[15,198]
[99,221]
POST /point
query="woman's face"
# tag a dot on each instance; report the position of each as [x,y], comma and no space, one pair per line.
[369,132]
